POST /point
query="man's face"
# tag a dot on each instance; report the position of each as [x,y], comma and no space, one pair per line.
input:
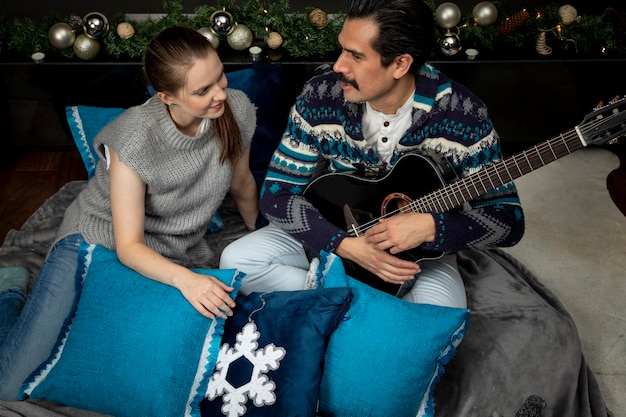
[359,66]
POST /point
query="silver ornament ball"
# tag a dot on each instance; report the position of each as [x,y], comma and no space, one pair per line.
[450,44]
[222,22]
[86,48]
[210,35]
[95,25]
[485,13]
[61,35]
[448,15]
[240,38]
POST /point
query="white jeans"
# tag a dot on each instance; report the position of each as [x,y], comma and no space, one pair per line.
[274,261]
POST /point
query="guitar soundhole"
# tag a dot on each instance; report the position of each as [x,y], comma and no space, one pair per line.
[395,203]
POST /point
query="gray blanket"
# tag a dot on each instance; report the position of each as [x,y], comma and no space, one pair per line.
[522,342]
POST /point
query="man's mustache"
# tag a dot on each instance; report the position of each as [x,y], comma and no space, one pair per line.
[341,76]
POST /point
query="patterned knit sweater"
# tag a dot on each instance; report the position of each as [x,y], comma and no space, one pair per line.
[447,120]
[185,181]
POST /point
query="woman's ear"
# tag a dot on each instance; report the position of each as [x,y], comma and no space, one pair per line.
[168,100]
[402,65]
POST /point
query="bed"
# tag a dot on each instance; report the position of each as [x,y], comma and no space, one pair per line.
[520,353]
[522,341]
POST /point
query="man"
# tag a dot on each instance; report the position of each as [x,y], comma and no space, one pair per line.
[382,102]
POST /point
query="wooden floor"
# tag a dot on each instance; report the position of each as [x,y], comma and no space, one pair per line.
[27,179]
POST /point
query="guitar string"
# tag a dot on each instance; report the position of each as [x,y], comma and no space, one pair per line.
[427,202]
[537,151]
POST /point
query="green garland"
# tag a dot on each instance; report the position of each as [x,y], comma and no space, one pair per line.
[588,36]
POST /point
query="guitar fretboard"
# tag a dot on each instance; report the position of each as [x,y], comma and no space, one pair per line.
[500,173]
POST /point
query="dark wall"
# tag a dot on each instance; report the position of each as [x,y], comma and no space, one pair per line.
[37,9]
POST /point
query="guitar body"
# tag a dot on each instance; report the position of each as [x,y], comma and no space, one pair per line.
[373,196]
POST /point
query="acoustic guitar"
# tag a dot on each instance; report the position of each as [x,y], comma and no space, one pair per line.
[420,183]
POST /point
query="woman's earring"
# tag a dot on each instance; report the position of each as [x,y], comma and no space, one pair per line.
[173,105]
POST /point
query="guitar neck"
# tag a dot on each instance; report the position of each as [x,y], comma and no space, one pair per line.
[500,173]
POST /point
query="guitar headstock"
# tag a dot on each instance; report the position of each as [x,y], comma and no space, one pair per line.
[605,124]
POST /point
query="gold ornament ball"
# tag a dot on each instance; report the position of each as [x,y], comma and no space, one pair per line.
[448,15]
[125,30]
[240,38]
[208,33]
[568,14]
[274,40]
[485,13]
[318,18]
[86,48]
[61,35]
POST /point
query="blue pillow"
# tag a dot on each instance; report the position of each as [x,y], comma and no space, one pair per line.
[85,122]
[270,363]
[386,358]
[135,347]
[263,85]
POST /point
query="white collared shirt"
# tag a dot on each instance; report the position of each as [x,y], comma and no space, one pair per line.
[383,131]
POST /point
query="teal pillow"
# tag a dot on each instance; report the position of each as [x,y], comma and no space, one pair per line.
[135,347]
[85,122]
[386,358]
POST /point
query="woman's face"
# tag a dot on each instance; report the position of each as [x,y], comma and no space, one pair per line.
[204,91]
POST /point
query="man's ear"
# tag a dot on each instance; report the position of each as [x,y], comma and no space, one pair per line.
[402,65]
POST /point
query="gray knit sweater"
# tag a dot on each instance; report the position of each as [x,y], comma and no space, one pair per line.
[185,181]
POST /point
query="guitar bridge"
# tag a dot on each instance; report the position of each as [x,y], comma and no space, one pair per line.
[351,223]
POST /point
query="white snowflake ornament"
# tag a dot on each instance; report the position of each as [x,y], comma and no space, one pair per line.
[259,388]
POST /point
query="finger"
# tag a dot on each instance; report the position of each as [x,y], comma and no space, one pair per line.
[227,309]
[223,298]
[216,311]
[223,286]
[219,307]
[200,308]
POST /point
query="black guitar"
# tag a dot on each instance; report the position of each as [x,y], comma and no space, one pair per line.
[357,201]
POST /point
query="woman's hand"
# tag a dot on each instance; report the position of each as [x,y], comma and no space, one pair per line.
[206,294]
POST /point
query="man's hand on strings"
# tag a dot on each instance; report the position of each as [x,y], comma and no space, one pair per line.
[402,232]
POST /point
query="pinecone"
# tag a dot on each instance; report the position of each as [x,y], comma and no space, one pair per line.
[513,23]
[76,21]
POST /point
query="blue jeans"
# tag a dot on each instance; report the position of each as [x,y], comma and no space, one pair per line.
[274,261]
[36,327]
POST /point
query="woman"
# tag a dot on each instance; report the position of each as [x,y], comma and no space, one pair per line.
[165,167]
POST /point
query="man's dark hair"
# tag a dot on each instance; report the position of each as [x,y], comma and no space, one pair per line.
[405,27]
